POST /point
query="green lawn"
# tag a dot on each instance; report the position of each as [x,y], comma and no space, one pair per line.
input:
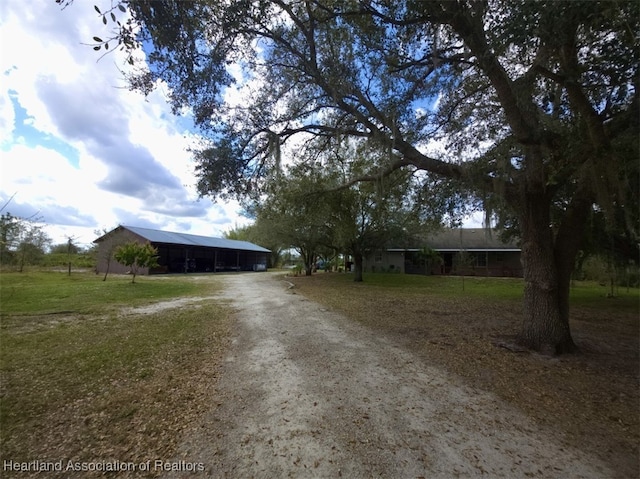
[84,381]
[582,292]
[55,292]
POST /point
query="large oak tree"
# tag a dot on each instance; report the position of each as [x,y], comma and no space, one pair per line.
[534,104]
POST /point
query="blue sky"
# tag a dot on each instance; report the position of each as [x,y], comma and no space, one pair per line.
[77,147]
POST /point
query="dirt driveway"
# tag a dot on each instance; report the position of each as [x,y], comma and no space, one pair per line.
[306,393]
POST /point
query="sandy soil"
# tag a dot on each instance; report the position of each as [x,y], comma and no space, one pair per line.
[306,393]
[164,305]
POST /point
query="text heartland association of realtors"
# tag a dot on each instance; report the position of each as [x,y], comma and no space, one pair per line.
[101,466]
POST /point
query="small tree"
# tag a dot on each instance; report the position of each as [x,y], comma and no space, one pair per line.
[136,255]
[9,233]
[71,249]
[463,261]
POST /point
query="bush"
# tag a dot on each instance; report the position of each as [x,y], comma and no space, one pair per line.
[600,270]
[80,260]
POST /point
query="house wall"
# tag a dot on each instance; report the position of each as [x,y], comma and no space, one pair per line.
[484,263]
[384,262]
[481,263]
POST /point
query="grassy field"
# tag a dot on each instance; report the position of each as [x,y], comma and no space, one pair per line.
[87,377]
[54,292]
[582,292]
[589,400]
[89,373]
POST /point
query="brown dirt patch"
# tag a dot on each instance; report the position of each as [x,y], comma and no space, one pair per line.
[591,398]
[129,418]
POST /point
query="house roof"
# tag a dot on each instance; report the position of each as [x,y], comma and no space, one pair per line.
[183,239]
[469,239]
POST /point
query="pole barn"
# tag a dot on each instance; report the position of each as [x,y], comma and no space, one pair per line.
[182,253]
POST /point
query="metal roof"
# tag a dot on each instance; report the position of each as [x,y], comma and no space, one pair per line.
[183,239]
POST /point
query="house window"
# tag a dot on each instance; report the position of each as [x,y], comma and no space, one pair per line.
[481,259]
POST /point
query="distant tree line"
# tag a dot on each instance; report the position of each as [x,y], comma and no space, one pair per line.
[24,243]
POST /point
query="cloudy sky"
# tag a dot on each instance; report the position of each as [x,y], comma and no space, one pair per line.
[78,148]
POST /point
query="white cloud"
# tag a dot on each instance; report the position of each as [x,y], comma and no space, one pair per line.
[7,117]
[82,149]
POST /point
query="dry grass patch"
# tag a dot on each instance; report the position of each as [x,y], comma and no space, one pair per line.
[105,386]
[590,399]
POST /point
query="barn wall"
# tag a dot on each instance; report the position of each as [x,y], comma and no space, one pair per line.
[107,247]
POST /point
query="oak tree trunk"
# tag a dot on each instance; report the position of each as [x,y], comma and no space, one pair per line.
[308,263]
[545,325]
[357,262]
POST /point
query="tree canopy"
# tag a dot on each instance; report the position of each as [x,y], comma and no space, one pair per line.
[532,106]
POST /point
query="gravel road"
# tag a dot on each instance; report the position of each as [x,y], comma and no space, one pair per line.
[306,393]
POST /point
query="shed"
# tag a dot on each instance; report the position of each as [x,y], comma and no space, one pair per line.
[181,252]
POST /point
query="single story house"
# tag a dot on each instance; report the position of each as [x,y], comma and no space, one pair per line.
[468,251]
[182,253]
